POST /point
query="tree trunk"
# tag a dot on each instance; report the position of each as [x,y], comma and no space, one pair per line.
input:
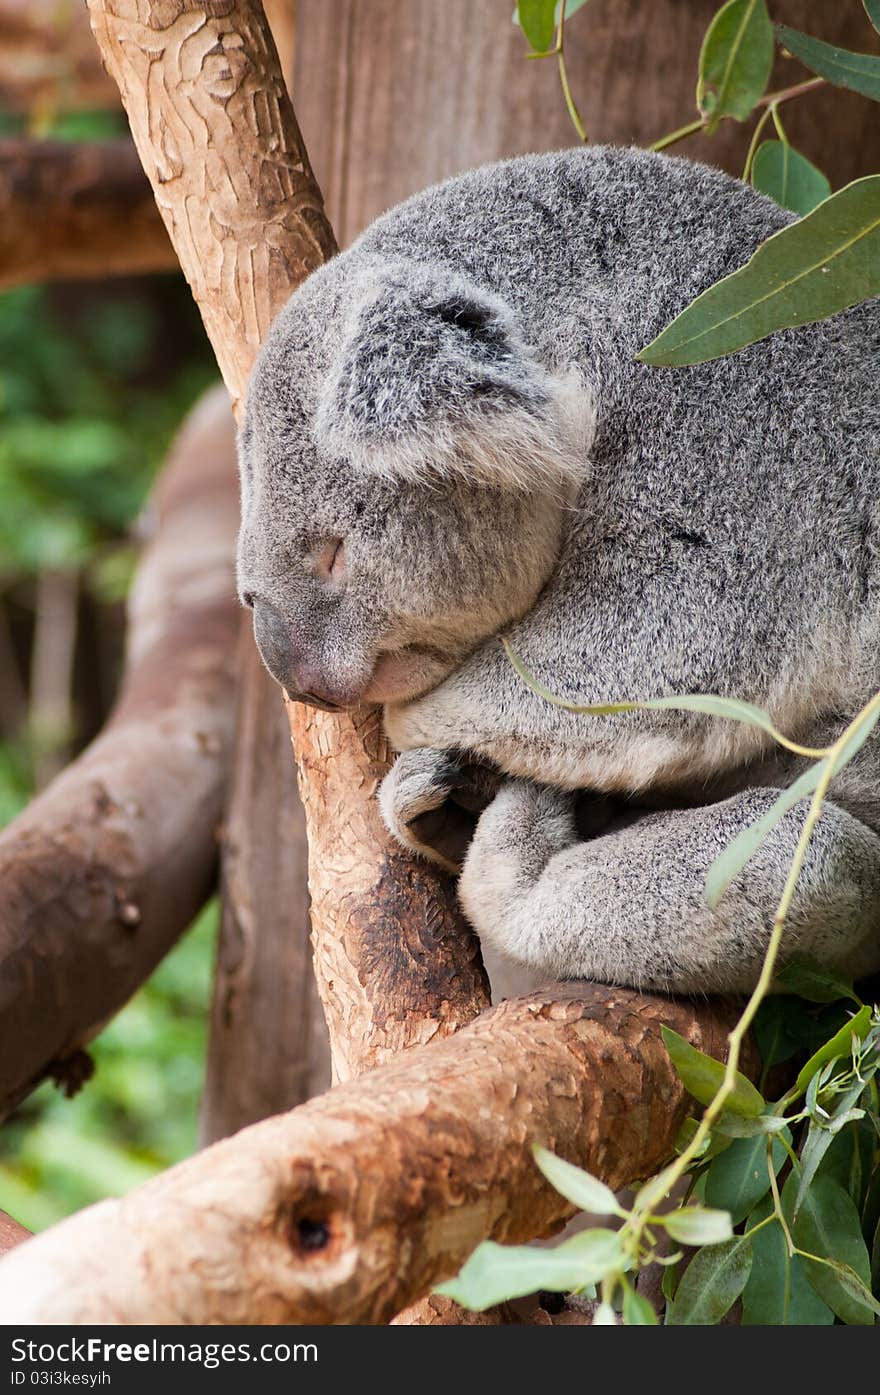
[99,876]
[220,144]
[359,1202]
[72,211]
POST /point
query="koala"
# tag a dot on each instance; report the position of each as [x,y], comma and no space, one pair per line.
[449,439]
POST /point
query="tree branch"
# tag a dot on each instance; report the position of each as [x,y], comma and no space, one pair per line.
[77,210]
[359,1202]
[103,871]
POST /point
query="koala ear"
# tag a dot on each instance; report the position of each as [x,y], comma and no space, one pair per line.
[434,380]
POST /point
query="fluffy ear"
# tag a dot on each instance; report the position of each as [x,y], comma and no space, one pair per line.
[434,380]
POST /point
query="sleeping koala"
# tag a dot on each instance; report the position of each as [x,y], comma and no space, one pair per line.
[448,438]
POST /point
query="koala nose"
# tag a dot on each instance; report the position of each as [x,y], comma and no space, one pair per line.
[301,678]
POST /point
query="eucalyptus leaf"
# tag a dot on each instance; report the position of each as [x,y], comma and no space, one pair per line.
[729,863]
[702,1076]
[537,20]
[860,72]
[738,1179]
[637,1311]
[698,1225]
[783,1026]
[583,1190]
[872,10]
[827,1228]
[734,1126]
[785,175]
[711,1284]
[809,979]
[495,1273]
[839,1045]
[808,271]
[735,61]
[778,1293]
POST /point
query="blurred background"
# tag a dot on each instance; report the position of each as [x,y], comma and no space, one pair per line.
[95,375]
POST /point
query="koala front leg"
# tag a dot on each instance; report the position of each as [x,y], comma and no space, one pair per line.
[628,906]
[430,801]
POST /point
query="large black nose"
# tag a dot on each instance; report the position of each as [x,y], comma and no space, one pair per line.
[300,677]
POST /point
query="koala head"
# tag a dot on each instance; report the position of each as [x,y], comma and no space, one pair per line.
[406,464]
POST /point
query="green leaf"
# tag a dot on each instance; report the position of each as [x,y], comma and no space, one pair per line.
[782,1027]
[738,1179]
[735,1127]
[711,1284]
[860,72]
[637,1311]
[495,1273]
[839,1045]
[872,10]
[778,1293]
[537,20]
[697,1225]
[735,61]
[702,1077]
[583,1190]
[711,1146]
[788,177]
[814,268]
[807,978]
[729,863]
[827,1227]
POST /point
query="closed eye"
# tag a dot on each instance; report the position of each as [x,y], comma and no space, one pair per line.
[330,562]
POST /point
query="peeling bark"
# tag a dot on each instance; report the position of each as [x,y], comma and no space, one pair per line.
[102,872]
[77,210]
[356,1204]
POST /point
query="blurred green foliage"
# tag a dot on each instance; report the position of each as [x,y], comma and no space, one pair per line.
[93,383]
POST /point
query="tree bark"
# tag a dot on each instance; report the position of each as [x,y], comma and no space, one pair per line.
[268,1048]
[392,97]
[220,144]
[77,210]
[99,876]
[359,1202]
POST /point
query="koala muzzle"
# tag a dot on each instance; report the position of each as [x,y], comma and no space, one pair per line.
[299,675]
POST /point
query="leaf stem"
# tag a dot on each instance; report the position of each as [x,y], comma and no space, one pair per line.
[772,99]
[570,103]
[753,143]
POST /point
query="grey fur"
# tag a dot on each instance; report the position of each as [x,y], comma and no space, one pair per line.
[457,398]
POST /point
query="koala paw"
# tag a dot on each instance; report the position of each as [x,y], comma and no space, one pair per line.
[431,801]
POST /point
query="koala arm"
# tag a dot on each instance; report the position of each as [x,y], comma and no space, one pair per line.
[628,906]
[430,801]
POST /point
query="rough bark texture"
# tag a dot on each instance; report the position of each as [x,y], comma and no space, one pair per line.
[268,1046]
[103,871]
[394,962]
[219,142]
[11,1233]
[69,211]
[391,97]
[359,1202]
[215,130]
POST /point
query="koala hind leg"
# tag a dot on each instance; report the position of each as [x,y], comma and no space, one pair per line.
[627,906]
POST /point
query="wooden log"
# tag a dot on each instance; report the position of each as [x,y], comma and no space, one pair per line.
[356,1204]
[101,873]
[219,142]
[69,211]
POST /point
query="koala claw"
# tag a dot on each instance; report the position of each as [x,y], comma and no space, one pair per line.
[431,801]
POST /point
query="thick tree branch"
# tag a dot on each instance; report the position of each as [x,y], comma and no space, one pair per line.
[69,211]
[212,121]
[360,1201]
[104,870]
[11,1233]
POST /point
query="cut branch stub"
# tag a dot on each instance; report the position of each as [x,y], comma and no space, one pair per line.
[358,1203]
